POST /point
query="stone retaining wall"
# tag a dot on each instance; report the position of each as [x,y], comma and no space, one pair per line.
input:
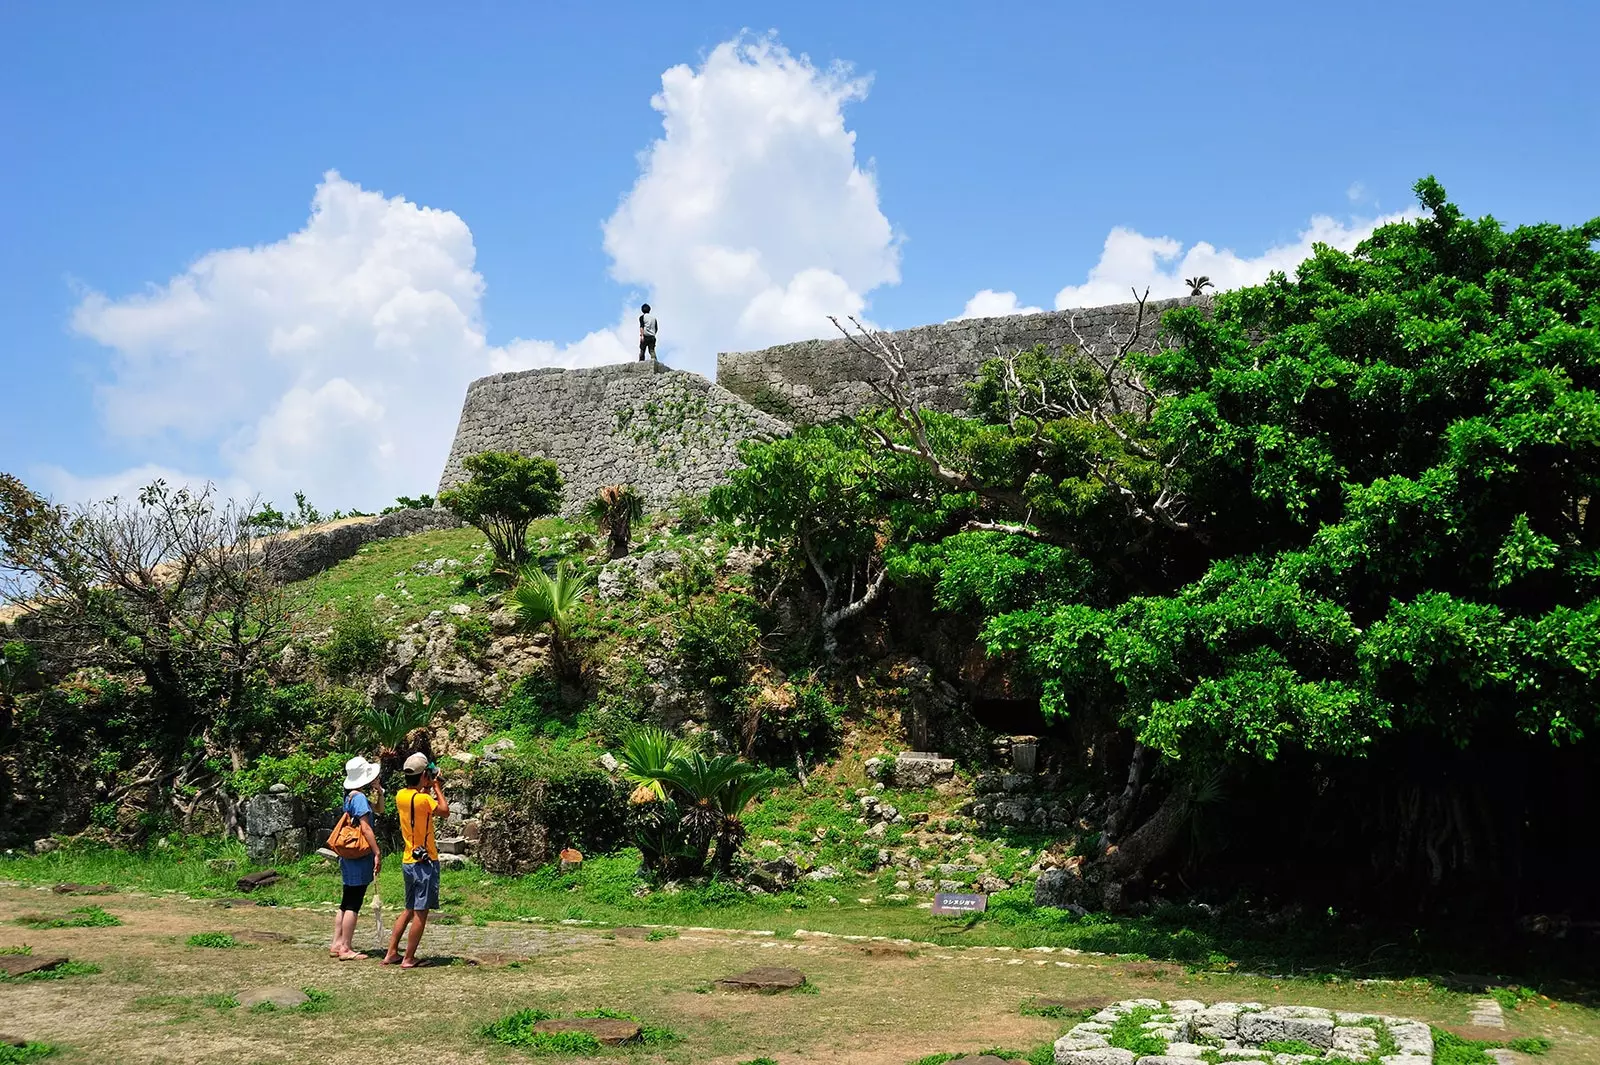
[664,431]
[817,380]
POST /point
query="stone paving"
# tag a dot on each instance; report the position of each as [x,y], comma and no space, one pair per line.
[1239,1031]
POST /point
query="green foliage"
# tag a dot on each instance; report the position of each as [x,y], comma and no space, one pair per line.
[316,778]
[716,642]
[685,800]
[542,599]
[19,666]
[656,935]
[356,641]
[25,1054]
[1451,1049]
[614,510]
[1512,996]
[578,802]
[503,494]
[422,502]
[82,917]
[691,511]
[389,727]
[1383,462]
[517,1030]
[1127,1034]
[215,940]
[1535,1045]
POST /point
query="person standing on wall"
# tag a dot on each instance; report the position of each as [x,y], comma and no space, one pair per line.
[417,805]
[647,333]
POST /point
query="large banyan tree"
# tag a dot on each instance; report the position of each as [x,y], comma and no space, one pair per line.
[1319,566]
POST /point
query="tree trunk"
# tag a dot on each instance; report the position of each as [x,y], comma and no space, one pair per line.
[1144,846]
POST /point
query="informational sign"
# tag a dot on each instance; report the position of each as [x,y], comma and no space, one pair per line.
[951,902]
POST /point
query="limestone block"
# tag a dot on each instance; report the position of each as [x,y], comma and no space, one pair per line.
[1066,1055]
[1268,1026]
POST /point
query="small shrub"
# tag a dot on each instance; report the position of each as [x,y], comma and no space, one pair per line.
[316,1001]
[28,1052]
[216,940]
[1512,996]
[692,515]
[220,1002]
[658,934]
[1531,1045]
[715,644]
[503,495]
[356,642]
[473,635]
[82,917]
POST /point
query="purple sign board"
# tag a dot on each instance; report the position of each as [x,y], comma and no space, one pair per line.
[952,903]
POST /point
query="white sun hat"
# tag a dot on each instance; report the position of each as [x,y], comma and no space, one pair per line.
[358,773]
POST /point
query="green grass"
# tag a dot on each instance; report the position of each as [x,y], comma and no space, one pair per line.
[1513,996]
[1056,1013]
[28,1052]
[1451,1049]
[658,934]
[60,972]
[217,940]
[1128,1034]
[22,949]
[1531,1045]
[82,917]
[517,1031]
[220,1002]
[759,1061]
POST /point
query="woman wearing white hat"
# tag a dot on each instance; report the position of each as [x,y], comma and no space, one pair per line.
[358,872]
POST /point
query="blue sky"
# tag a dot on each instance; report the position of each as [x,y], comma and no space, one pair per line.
[171,305]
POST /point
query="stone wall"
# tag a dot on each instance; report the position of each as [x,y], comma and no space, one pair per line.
[816,380]
[294,556]
[664,431]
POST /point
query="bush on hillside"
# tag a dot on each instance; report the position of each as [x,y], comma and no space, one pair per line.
[356,642]
[504,494]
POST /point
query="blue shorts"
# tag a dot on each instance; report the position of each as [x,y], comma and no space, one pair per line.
[422,885]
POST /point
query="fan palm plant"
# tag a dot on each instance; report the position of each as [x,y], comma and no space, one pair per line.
[614,509]
[542,599]
[646,756]
[389,727]
[736,793]
[696,782]
[1198,285]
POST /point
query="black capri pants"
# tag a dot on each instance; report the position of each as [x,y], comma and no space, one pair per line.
[353,894]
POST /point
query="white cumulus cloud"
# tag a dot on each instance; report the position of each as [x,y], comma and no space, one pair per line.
[752,220]
[992,304]
[1132,261]
[330,361]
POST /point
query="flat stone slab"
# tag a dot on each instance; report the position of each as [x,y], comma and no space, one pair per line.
[610,1031]
[283,998]
[1100,1056]
[251,881]
[23,964]
[768,980]
[83,889]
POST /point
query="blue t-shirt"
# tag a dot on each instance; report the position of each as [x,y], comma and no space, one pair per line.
[357,871]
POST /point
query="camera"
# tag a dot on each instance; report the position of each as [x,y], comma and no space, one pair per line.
[419,854]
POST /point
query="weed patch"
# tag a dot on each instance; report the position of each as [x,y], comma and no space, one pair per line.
[216,940]
[1451,1049]
[517,1031]
[26,1053]
[1128,1033]
[82,917]
[658,934]
[1531,1045]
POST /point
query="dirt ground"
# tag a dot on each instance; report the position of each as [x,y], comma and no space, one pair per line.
[875,1003]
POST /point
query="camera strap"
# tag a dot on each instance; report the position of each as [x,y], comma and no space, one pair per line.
[427,833]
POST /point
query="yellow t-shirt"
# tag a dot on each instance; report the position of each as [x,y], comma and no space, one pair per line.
[422,827]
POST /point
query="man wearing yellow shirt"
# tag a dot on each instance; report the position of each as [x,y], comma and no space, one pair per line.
[418,805]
